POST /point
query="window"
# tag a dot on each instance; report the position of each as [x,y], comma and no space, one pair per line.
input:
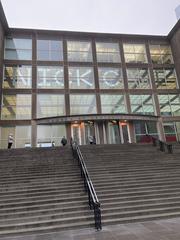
[49,50]
[46,134]
[111,103]
[17,76]
[50,105]
[165,78]
[79,51]
[108,52]
[138,78]
[161,54]
[16,107]
[169,105]
[142,129]
[18,49]
[142,104]
[83,104]
[110,78]
[81,78]
[135,53]
[170,131]
[50,77]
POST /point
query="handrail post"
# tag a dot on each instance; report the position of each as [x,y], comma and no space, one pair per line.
[161,146]
[170,148]
[97,216]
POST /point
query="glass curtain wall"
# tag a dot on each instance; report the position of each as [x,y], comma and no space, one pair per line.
[50,77]
[161,54]
[18,49]
[79,51]
[17,76]
[135,53]
[142,104]
[165,78]
[138,78]
[81,78]
[49,50]
[108,52]
[169,105]
[110,78]
[111,103]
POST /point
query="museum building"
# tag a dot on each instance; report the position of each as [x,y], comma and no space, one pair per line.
[116,87]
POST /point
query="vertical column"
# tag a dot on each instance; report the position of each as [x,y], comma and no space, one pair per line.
[66,78]
[132,137]
[96,77]
[68,131]
[160,130]
[33,133]
[34,91]
[123,63]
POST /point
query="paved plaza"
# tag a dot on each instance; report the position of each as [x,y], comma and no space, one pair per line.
[168,229]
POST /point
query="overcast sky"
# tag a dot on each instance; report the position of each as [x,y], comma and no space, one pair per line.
[112,16]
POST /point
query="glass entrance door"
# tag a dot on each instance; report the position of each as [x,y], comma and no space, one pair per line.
[89,131]
[114,133]
[76,133]
[124,129]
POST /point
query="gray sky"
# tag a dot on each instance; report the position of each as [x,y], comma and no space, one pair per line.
[112,16]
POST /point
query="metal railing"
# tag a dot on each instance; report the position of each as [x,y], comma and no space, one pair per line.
[93,201]
[163,146]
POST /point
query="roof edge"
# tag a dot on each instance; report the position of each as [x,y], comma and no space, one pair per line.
[174,29]
[3,18]
[84,34]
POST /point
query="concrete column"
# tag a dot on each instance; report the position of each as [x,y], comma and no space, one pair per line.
[160,130]
[132,137]
[33,133]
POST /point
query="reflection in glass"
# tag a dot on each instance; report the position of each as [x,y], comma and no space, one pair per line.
[169,104]
[165,78]
[16,107]
[170,131]
[79,51]
[142,129]
[161,54]
[111,103]
[107,52]
[46,134]
[23,136]
[82,104]
[49,50]
[110,78]
[17,76]
[18,49]
[142,104]
[50,105]
[81,78]
[50,77]
[135,53]
[138,78]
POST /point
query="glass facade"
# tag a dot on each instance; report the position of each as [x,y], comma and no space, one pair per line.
[50,105]
[113,103]
[165,78]
[16,107]
[110,78]
[81,78]
[161,54]
[18,49]
[142,104]
[49,50]
[169,104]
[138,78]
[17,76]
[66,78]
[79,51]
[50,77]
[135,53]
[108,52]
[82,104]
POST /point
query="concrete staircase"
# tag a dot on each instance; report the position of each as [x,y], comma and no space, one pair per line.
[41,191]
[134,182]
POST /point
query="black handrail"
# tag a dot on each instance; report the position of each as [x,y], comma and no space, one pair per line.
[93,201]
[163,146]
